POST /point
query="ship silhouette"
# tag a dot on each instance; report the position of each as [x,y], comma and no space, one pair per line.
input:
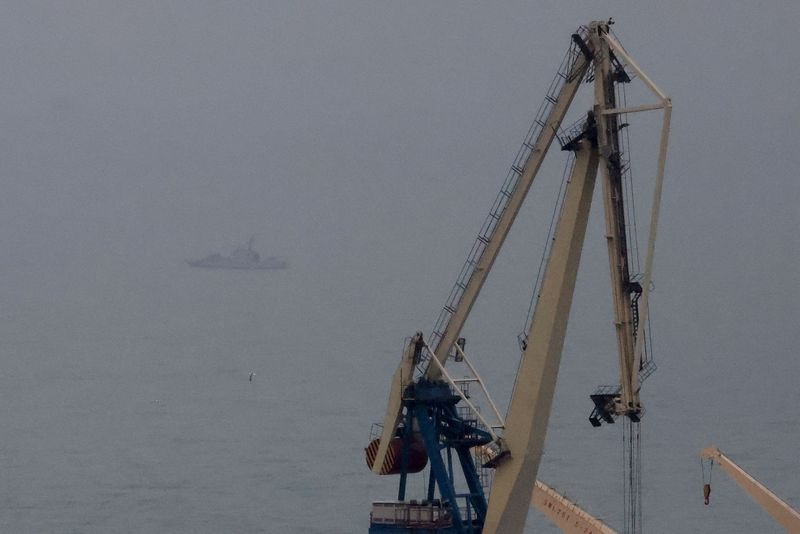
[242,258]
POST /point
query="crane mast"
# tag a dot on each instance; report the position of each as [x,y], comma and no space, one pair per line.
[621,287]
[529,410]
[423,422]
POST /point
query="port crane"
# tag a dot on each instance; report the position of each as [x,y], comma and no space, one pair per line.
[430,416]
[781,512]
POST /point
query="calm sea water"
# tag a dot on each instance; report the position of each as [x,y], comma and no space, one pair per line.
[127,407]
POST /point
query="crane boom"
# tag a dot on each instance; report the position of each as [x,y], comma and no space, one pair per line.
[458,314]
[492,241]
[781,512]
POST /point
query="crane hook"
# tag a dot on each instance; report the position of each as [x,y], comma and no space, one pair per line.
[706,485]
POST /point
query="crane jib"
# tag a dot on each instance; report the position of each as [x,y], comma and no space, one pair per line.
[508,203]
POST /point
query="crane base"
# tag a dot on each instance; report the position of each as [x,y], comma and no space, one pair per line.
[413,517]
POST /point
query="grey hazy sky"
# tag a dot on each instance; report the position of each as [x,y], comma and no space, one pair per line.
[323,124]
[365,140]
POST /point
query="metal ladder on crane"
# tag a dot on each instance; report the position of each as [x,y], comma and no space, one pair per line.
[500,203]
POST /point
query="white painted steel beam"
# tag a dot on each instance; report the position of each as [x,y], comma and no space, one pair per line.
[666,104]
[482,385]
[632,64]
[449,380]
[565,514]
[633,109]
[619,265]
[655,210]
[394,411]
[529,410]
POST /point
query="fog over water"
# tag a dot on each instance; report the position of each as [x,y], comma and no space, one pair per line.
[364,143]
